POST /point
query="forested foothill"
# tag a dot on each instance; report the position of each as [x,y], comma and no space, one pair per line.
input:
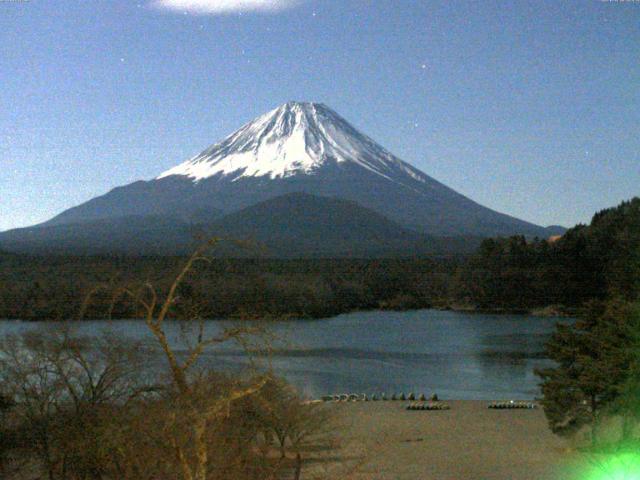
[54,288]
[588,262]
[515,274]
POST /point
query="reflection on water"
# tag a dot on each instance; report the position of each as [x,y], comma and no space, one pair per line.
[457,355]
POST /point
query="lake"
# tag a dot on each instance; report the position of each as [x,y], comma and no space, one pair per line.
[456,355]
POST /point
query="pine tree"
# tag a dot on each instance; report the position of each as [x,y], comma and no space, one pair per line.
[595,360]
[627,404]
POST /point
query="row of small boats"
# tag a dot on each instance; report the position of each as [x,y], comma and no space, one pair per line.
[420,402]
[363,397]
[428,406]
[512,404]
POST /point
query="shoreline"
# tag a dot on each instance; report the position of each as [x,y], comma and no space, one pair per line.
[544,312]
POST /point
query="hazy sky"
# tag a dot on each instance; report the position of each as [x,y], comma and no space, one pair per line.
[529,107]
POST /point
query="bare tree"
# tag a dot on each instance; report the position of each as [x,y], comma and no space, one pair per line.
[194,411]
[58,382]
[6,434]
[283,415]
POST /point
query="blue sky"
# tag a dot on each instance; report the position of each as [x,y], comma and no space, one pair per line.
[529,107]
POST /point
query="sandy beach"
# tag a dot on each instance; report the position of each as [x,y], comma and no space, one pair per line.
[469,441]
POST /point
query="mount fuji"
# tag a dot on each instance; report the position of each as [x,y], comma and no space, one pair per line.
[297,148]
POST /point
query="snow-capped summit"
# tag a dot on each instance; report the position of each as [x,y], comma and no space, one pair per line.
[295,138]
[298,148]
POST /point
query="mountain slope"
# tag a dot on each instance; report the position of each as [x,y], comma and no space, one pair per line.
[300,224]
[302,147]
[293,225]
[131,235]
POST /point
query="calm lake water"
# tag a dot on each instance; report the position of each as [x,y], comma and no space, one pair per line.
[457,355]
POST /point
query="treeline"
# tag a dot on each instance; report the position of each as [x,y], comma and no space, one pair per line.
[505,274]
[591,262]
[53,288]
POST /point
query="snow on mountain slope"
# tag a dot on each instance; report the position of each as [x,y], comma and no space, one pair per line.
[299,147]
[295,138]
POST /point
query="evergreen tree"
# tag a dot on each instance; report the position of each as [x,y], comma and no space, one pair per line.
[627,405]
[594,374]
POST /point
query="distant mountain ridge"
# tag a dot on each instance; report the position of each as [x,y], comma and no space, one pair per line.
[292,225]
[299,224]
[296,148]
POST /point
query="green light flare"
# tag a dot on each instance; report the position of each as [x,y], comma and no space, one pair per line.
[622,466]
